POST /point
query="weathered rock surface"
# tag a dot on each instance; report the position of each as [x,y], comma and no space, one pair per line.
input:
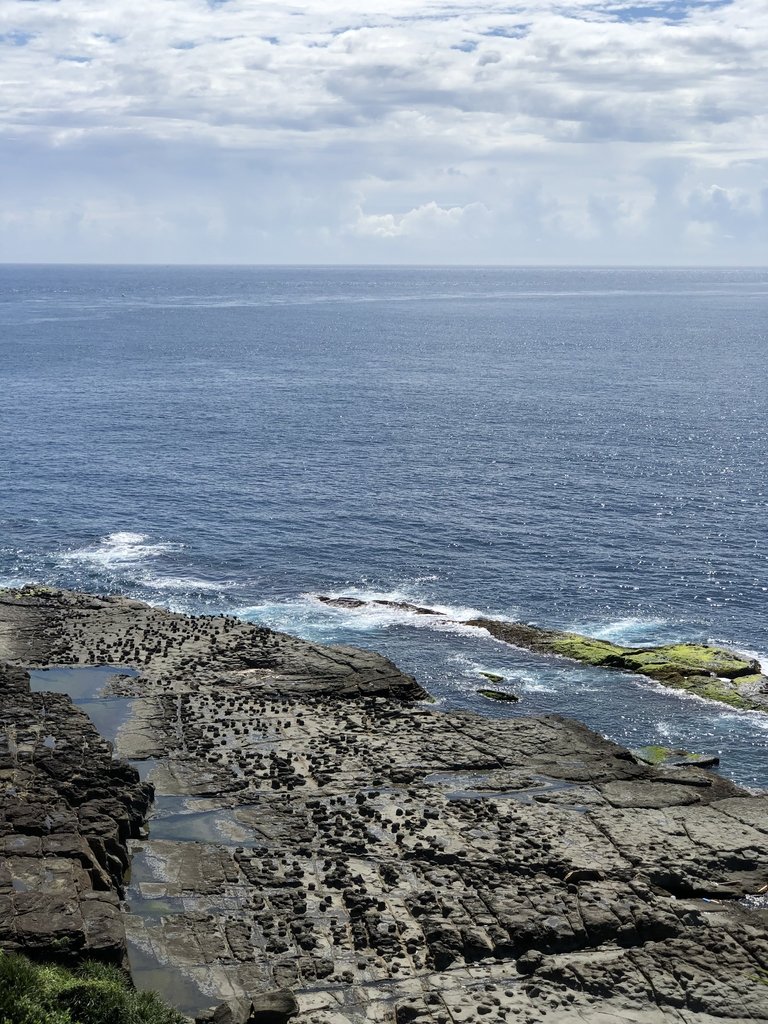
[67,811]
[40,625]
[711,672]
[338,845]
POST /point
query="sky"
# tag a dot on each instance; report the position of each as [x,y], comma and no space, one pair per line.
[415,131]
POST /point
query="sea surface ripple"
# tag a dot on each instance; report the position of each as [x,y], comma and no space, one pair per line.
[581,448]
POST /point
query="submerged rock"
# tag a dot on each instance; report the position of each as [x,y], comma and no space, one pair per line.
[502,695]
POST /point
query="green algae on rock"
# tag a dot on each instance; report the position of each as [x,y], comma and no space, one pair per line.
[702,669]
[659,756]
[509,698]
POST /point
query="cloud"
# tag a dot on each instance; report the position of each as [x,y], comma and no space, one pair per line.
[593,130]
[426,220]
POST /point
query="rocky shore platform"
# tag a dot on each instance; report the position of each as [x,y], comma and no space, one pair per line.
[326,848]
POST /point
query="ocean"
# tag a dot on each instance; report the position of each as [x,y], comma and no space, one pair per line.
[579,448]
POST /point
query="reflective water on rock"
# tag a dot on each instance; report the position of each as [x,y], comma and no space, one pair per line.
[84,684]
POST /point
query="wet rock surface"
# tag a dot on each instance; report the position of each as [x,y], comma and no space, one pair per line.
[67,812]
[337,852]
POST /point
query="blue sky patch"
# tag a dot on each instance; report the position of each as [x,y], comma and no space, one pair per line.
[508,31]
[665,10]
[16,37]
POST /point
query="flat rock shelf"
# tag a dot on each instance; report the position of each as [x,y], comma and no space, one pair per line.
[324,847]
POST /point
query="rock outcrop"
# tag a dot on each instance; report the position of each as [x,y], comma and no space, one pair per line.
[67,812]
[41,625]
[711,672]
[329,850]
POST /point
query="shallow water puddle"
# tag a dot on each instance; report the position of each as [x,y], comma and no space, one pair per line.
[173,818]
[149,973]
[170,818]
[84,683]
[81,682]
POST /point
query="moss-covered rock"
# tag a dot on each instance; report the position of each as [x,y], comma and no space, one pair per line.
[502,695]
[586,649]
[686,660]
[493,676]
[661,756]
[710,672]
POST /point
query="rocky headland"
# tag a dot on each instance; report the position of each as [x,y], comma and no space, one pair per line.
[710,672]
[322,846]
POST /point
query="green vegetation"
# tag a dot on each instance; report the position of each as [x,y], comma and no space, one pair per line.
[709,672]
[687,659]
[586,648]
[33,993]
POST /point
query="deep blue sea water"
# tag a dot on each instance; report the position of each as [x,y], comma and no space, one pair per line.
[581,448]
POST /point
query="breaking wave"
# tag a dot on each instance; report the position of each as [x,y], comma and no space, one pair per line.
[118,549]
[313,619]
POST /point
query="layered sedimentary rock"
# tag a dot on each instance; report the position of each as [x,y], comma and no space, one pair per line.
[325,848]
[67,812]
[712,672]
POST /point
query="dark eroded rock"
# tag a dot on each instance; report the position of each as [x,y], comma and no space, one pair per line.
[67,811]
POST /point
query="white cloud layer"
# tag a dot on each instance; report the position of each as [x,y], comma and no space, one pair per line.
[247,130]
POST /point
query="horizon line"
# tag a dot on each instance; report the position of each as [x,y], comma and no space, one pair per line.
[426,266]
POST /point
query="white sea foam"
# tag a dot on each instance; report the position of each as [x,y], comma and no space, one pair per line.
[187,584]
[132,557]
[118,549]
[13,581]
[311,617]
[520,679]
[405,595]
[307,615]
[630,630]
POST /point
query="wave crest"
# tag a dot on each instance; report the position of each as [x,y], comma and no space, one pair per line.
[117,549]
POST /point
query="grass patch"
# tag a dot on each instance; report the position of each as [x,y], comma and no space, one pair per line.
[33,993]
